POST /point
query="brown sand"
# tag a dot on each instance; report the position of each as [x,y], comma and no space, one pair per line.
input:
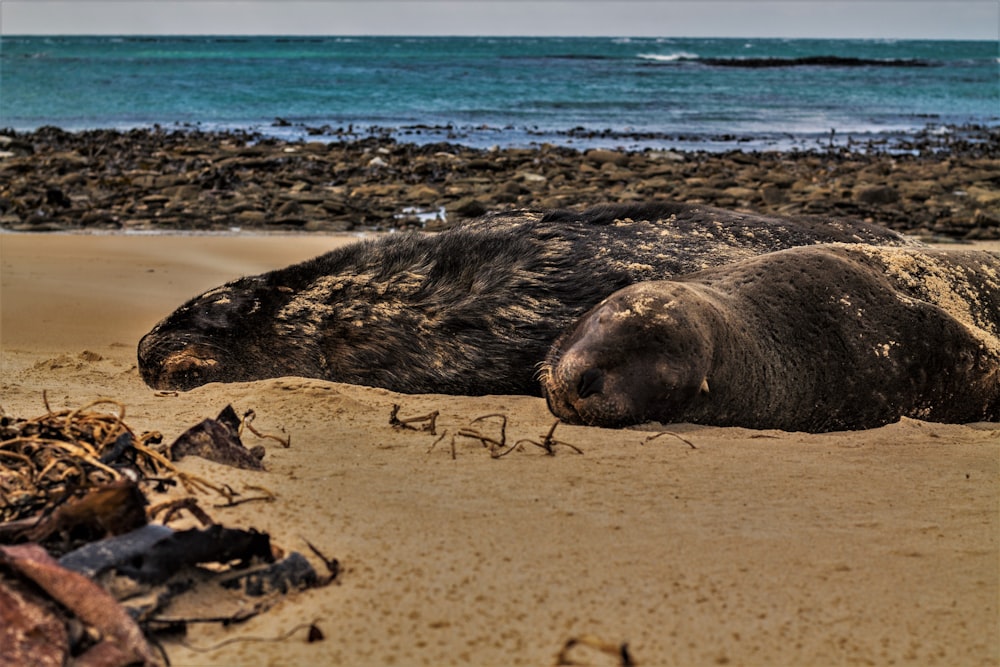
[756,548]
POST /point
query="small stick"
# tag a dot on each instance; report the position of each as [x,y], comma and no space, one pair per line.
[488,442]
[439,439]
[268,497]
[430,426]
[332,564]
[682,439]
[172,507]
[549,443]
[503,423]
[187,479]
[237,619]
[248,418]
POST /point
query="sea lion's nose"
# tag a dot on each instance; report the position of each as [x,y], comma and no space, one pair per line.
[591,382]
[182,370]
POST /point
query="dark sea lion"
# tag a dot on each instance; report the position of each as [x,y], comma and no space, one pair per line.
[823,338]
[472,310]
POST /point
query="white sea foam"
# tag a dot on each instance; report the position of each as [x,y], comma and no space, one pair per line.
[669,57]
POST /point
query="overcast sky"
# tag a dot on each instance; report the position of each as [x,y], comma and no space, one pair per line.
[891,19]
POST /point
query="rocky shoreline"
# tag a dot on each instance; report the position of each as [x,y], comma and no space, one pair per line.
[163,180]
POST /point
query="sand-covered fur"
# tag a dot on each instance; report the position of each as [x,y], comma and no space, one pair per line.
[813,339]
[472,310]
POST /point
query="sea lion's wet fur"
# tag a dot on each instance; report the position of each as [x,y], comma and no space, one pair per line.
[815,339]
[472,310]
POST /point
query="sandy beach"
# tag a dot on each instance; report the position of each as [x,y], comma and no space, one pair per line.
[753,548]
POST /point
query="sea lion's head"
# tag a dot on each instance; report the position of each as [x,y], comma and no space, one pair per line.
[212,338]
[641,354]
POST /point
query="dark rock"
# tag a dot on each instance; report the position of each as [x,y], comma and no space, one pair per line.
[602,157]
[876,195]
[468,207]
[985,219]
[252,218]
[289,209]
[773,195]
[109,178]
[56,197]
[328,226]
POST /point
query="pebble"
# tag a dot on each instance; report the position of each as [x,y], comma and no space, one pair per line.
[192,180]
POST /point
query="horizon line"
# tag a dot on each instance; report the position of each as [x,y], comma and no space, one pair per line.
[484,36]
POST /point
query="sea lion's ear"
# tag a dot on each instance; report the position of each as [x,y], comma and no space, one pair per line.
[704,386]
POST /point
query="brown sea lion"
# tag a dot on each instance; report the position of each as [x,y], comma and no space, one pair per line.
[472,310]
[831,337]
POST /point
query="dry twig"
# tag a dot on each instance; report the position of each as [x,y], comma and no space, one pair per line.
[247,423]
[430,421]
[549,443]
[174,507]
[497,447]
[681,438]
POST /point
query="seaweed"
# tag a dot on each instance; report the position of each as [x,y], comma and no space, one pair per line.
[76,483]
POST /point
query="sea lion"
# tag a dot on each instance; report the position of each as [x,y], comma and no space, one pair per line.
[821,338]
[471,310]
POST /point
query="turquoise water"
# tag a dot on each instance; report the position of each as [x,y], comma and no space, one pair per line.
[506,91]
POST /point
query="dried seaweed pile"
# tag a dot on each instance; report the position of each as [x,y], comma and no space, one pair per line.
[76,484]
[61,456]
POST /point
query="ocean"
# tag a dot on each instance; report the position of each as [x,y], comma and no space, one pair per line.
[704,94]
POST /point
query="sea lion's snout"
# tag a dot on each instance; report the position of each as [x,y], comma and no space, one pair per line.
[582,384]
[173,365]
[641,354]
[580,392]
[591,382]
[185,370]
[197,343]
